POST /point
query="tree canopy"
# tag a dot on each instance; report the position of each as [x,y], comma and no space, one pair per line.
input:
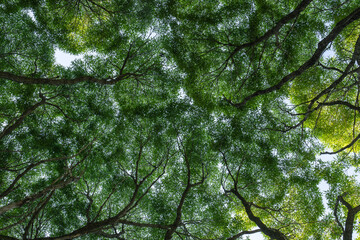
[182,120]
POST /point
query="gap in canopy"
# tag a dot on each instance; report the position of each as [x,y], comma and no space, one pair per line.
[65,59]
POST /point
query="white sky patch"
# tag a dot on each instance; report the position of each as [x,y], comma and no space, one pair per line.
[324,186]
[287,101]
[64,58]
[151,34]
[353,172]
[256,236]
[327,157]
[4,123]
[182,94]
[31,14]
[329,53]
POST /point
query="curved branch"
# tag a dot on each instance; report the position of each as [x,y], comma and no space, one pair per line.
[272,233]
[336,216]
[355,15]
[9,128]
[189,185]
[64,81]
[36,213]
[243,233]
[301,7]
[346,147]
[350,218]
[38,195]
[33,165]
[339,102]
[3,237]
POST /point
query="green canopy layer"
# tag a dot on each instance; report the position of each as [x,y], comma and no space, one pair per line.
[179,119]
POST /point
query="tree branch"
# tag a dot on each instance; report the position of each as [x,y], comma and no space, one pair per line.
[8,129]
[272,233]
[63,81]
[355,15]
[243,233]
[301,7]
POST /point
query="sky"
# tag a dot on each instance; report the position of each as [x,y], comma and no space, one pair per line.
[64,58]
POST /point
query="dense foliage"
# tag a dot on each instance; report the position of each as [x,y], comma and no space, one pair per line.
[182,120]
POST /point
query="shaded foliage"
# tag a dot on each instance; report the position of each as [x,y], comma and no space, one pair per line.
[181,120]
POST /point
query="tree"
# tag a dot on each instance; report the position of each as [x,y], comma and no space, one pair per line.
[183,120]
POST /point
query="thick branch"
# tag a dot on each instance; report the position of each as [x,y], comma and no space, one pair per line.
[177,221]
[63,81]
[109,235]
[243,233]
[349,105]
[96,227]
[126,222]
[36,195]
[336,215]
[301,7]
[272,233]
[355,15]
[2,237]
[346,147]
[349,224]
[33,165]
[8,129]
[36,213]
[189,185]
